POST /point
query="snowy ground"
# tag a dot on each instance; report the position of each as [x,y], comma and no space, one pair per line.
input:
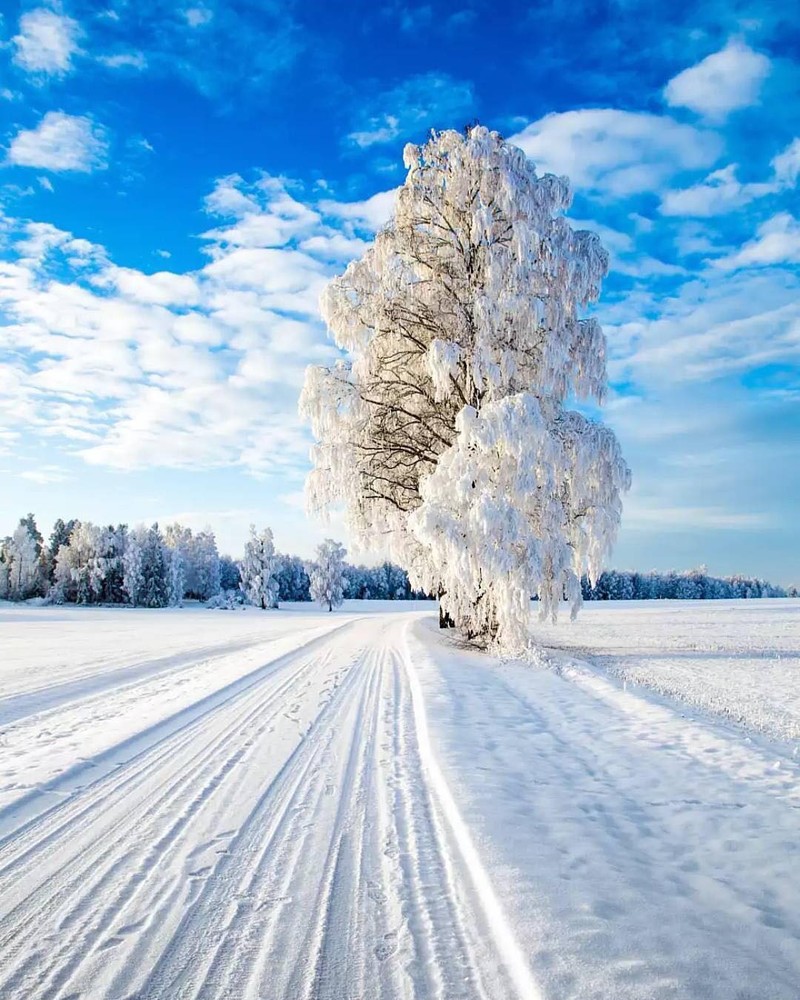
[302,805]
[738,659]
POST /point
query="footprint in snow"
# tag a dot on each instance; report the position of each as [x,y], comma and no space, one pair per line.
[387,947]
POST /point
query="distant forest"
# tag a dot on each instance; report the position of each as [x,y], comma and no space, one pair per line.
[83,563]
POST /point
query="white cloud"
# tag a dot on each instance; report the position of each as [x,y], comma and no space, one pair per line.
[721,83]
[648,514]
[124,60]
[61,142]
[162,288]
[380,130]
[46,42]
[196,17]
[723,192]
[626,256]
[777,242]
[616,152]
[720,192]
[45,474]
[369,215]
[193,370]
[786,165]
[708,328]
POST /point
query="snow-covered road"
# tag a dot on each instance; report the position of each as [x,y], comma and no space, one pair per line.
[307,806]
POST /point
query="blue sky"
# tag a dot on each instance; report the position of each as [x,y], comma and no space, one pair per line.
[178,182]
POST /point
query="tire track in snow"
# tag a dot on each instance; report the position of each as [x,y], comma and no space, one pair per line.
[241,908]
[128,827]
[485,898]
[292,839]
[16,818]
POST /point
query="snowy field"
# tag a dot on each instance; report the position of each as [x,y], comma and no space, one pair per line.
[738,659]
[296,804]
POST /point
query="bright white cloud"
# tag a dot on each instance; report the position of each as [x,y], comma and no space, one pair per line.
[61,142]
[616,152]
[192,370]
[368,215]
[46,42]
[777,242]
[723,82]
[265,213]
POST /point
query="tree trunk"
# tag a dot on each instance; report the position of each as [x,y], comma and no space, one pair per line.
[445,621]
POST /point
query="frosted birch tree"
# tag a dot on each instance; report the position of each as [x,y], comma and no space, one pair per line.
[446,434]
[205,564]
[133,563]
[23,563]
[326,574]
[81,565]
[259,568]
[178,541]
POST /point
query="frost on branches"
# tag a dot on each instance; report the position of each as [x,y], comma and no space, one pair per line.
[259,568]
[446,433]
[327,574]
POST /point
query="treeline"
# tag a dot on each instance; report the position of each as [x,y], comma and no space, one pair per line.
[84,563]
[693,585]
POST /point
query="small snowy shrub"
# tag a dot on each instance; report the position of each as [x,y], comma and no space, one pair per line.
[227,600]
[327,574]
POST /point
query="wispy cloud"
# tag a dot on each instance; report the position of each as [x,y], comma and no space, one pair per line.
[45,474]
[777,242]
[408,110]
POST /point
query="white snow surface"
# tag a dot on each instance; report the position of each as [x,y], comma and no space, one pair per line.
[294,804]
[738,659]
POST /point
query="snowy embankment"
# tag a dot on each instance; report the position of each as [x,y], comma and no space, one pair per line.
[302,805]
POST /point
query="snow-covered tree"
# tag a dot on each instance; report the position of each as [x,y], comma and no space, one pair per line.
[155,570]
[133,563]
[292,578]
[4,589]
[446,433]
[327,574]
[24,577]
[205,565]
[228,573]
[258,569]
[176,576]
[113,582]
[178,543]
[82,564]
